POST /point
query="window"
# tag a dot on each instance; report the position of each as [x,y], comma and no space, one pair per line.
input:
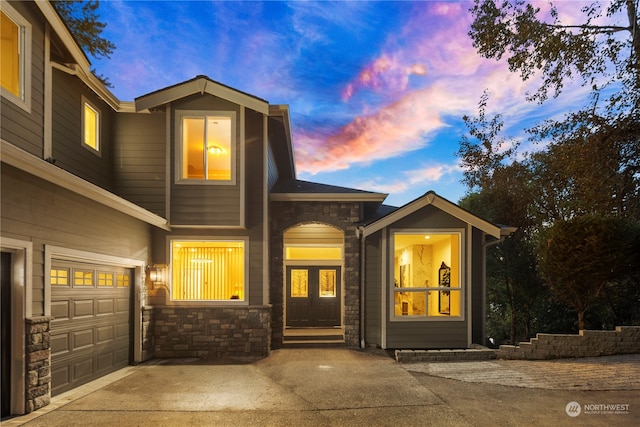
[427,275]
[207,146]
[208,270]
[15,62]
[90,126]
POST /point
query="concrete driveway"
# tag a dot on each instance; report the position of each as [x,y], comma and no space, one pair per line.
[312,387]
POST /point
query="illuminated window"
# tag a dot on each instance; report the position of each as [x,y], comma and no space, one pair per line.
[427,275]
[90,126]
[59,277]
[207,148]
[299,283]
[82,278]
[208,270]
[122,280]
[105,279]
[15,61]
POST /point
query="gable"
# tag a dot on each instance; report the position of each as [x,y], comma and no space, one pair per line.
[432,199]
[200,85]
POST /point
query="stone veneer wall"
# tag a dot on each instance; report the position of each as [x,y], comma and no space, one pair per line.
[147,333]
[211,332]
[38,363]
[344,216]
[624,340]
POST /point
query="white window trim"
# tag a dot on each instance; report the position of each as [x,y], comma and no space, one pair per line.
[169,285]
[180,114]
[24,100]
[463,278]
[85,101]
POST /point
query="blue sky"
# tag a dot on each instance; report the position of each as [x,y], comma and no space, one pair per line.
[376,90]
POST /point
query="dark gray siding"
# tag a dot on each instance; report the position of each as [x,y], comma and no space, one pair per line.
[140,158]
[68,150]
[373,289]
[197,204]
[272,168]
[43,213]
[478,291]
[429,217]
[23,129]
[255,200]
[431,333]
[424,335]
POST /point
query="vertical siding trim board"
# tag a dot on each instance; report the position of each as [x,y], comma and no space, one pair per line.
[383,289]
[468,241]
[168,163]
[265,210]
[242,172]
[48,96]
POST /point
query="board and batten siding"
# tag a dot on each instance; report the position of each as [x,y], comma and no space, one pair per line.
[140,159]
[478,288]
[203,203]
[67,148]
[19,127]
[45,214]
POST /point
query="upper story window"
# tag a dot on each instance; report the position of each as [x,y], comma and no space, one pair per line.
[15,63]
[90,126]
[427,274]
[207,146]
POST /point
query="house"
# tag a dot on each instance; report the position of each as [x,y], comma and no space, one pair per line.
[174,226]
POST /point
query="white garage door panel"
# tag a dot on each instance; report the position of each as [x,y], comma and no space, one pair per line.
[90,335]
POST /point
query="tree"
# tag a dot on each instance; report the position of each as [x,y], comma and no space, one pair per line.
[83,21]
[597,53]
[590,165]
[579,257]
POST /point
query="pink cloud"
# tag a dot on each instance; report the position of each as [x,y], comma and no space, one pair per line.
[384,73]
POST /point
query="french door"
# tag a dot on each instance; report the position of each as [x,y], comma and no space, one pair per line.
[313,296]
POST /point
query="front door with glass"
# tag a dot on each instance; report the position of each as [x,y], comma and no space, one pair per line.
[313,296]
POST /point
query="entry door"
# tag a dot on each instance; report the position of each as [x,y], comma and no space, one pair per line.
[313,296]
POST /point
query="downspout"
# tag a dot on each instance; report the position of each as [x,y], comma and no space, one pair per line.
[360,236]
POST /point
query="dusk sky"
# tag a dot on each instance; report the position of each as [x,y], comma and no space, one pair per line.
[376,90]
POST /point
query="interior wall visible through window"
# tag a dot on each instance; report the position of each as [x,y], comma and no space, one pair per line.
[427,275]
[15,57]
[207,146]
[208,270]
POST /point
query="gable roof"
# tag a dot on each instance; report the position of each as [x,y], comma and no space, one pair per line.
[431,198]
[200,84]
[297,190]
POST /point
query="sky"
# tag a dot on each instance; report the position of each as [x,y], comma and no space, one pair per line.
[376,90]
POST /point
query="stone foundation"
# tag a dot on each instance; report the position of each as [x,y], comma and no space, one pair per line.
[211,332]
[38,363]
[460,355]
[147,333]
[624,340]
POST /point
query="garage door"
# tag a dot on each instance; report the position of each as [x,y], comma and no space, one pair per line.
[90,332]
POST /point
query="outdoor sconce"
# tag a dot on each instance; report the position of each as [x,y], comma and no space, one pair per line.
[157,274]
